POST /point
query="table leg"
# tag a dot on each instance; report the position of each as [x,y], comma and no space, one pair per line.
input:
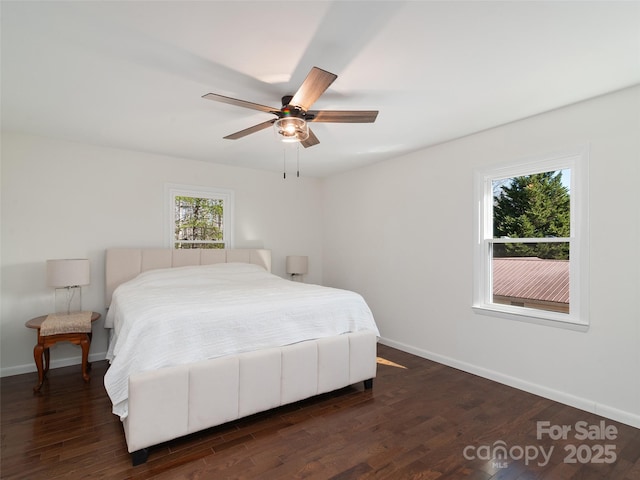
[85,343]
[90,335]
[46,360]
[37,356]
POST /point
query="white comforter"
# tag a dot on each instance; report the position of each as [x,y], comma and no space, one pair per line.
[181,315]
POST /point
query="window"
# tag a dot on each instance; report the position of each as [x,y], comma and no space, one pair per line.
[531,248]
[199,217]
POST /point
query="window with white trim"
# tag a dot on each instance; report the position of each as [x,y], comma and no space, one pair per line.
[199,217]
[531,247]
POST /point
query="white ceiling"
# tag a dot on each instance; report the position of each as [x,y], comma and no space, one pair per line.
[131,74]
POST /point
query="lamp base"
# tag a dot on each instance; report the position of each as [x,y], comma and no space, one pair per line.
[68,300]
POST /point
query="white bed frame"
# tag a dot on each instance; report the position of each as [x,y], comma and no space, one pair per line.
[176,401]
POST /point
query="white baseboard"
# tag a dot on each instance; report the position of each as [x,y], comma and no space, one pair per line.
[55,363]
[585,404]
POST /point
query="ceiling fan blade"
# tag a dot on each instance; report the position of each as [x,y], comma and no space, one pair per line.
[311,141]
[343,116]
[250,130]
[313,86]
[240,103]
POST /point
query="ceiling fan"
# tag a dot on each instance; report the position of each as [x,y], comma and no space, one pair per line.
[291,119]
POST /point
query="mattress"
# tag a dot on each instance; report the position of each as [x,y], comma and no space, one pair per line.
[175,316]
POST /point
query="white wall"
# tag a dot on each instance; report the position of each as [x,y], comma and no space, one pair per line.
[68,200]
[400,233]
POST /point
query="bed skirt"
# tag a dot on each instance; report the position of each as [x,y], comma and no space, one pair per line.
[176,401]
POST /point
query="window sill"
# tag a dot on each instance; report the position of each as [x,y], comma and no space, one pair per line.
[529,315]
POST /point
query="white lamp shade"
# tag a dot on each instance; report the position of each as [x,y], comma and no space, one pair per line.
[297,265]
[69,272]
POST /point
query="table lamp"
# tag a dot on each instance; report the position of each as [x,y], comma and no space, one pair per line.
[67,276]
[297,266]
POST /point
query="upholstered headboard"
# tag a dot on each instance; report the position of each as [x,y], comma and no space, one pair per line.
[122,264]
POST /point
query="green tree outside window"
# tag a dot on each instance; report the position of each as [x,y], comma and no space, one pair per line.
[532,206]
[199,222]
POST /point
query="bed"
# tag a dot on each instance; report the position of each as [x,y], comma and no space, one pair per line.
[254,341]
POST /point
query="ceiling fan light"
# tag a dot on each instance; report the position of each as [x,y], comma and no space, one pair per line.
[291,129]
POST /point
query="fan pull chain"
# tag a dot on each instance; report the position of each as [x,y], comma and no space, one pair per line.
[284,162]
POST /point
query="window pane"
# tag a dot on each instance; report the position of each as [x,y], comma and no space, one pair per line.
[532,275]
[532,206]
[198,219]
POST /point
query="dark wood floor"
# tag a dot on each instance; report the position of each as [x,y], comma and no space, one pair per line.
[422,420]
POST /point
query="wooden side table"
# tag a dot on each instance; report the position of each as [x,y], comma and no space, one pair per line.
[45,342]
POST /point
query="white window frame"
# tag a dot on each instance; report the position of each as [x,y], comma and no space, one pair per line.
[175,190]
[575,159]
